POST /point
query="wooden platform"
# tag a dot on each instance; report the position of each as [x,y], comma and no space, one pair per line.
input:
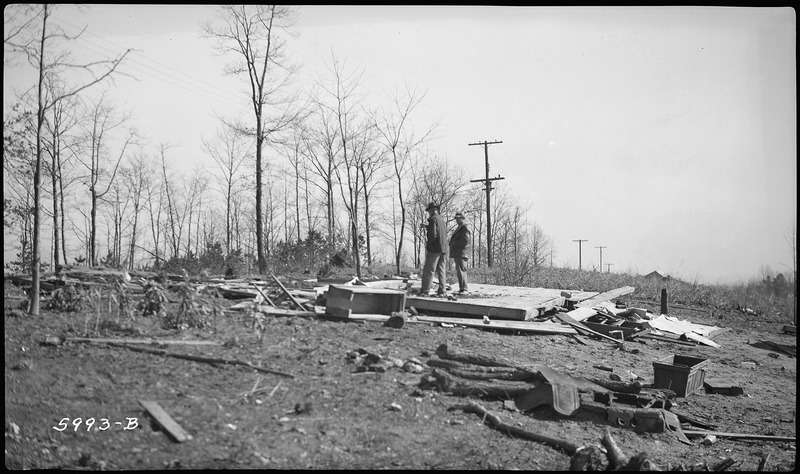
[501,302]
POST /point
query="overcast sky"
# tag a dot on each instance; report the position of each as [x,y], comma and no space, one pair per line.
[667,135]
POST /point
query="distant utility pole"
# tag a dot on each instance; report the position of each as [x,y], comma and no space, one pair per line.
[601,257]
[608,267]
[580,242]
[487,181]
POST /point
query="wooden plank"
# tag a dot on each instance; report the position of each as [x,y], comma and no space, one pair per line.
[790,329]
[162,417]
[471,308]
[522,326]
[607,328]
[607,296]
[693,336]
[286,292]
[723,434]
[143,341]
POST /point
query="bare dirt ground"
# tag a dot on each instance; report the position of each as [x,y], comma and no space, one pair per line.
[329,417]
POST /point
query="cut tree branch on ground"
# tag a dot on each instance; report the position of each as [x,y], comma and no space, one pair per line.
[207,360]
[496,390]
[510,430]
[449,353]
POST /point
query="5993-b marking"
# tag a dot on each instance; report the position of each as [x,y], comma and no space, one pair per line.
[103,424]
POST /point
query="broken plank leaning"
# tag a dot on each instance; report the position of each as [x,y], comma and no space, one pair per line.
[162,418]
[143,341]
[607,296]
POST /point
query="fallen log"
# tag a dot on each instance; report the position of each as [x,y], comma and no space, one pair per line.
[511,430]
[208,360]
[497,390]
[458,370]
[445,352]
[617,386]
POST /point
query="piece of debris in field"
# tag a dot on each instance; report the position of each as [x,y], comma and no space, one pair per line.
[683,374]
[342,301]
[165,421]
[722,387]
[709,440]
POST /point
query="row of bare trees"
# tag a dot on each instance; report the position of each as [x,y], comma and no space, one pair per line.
[314,172]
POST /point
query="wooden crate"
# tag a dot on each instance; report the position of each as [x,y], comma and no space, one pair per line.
[683,375]
[342,300]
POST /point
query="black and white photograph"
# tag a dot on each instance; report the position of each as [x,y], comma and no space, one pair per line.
[406,237]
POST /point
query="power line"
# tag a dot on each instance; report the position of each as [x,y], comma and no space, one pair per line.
[487,181]
[601,257]
[580,242]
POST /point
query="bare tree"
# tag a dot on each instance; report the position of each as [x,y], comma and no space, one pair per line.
[30,37]
[397,135]
[230,153]
[321,148]
[252,32]
[103,121]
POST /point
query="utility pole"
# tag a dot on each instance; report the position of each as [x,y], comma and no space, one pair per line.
[580,242]
[608,267]
[601,257]
[487,181]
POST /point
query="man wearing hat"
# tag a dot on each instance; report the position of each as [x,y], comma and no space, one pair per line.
[459,249]
[436,234]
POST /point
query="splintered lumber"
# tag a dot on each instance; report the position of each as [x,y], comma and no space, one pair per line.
[445,352]
[494,421]
[790,329]
[521,326]
[722,434]
[208,360]
[286,292]
[162,418]
[263,295]
[495,390]
[607,296]
[143,341]
[582,327]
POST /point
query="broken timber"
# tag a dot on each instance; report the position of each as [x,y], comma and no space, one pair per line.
[722,434]
[143,341]
[162,418]
[580,327]
[607,296]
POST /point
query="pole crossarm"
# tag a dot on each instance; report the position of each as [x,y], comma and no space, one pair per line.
[487,181]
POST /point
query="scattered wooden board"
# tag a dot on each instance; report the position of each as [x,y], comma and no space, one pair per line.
[722,434]
[162,417]
[607,296]
[143,341]
[692,336]
[790,329]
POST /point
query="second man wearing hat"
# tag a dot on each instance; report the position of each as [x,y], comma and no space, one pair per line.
[459,249]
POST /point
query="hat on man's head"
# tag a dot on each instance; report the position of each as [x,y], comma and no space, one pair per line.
[432,206]
[459,215]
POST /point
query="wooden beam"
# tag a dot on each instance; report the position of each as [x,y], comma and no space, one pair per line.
[462,308]
[723,434]
[143,341]
[162,418]
[607,296]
